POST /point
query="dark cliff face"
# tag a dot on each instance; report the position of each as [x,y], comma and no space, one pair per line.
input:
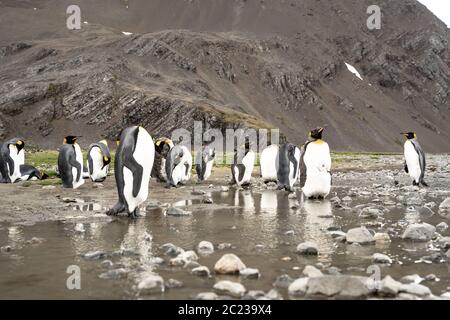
[229,64]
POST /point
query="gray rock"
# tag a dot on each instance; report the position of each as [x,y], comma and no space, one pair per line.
[444,243]
[151,284]
[171,250]
[223,246]
[273,295]
[173,284]
[207,296]
[35,241]
[299,287]
[229,264]
[249,273]
[207,200]
[360,235]
[441,227]
[416,289]
[448,254]
[107,264]
[114,274]
[370,213]
[312,272]
[414,278]
[224,189]
[177,212]
[95,255]
[205,248]
[254,295]
[389,287]
[445,205]
[381,237]
[381,258]
[308,248]
[233,289]
[419,232]
[188,256]
[283,281]
[191,265]
[338,286]
[201,271]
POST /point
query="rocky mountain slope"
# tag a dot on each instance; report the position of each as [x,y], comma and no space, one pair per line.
[228,63]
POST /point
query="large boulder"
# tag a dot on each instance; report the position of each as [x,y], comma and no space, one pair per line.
[360,235]
[419,232]
[230,288]
[229,264]
[338,286]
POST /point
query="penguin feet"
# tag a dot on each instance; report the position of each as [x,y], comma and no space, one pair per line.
[135,214]
[114,211]
[416,184]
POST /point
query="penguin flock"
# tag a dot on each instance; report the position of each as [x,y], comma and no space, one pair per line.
[139,157]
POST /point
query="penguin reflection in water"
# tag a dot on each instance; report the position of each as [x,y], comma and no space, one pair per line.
[70,163]
[133,166]
[98,162]
[315,161]
[415,162]
[241,170]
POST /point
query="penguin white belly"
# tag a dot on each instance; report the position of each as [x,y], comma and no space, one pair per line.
[79,157]
[412,161]
[249,162]
[268,162]
[208,170]
[179,173]
[17,159]
[318,165]
[144,154]
[294,172]
[97,161]
[186,160]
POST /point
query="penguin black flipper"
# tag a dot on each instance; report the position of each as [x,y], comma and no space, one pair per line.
[406,168]
[74,163]
[91,164]
[302,165]
[136,169]
[292,159]
[422,160]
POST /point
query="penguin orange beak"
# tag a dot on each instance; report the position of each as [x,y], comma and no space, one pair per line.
[321,130]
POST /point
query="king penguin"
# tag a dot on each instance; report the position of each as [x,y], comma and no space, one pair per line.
[98,160]
[133,166]
[288,167]
[205,161]
[178,166]
[162,147]
[316,166]
[241,170]
[268,163]
[70,163]
[415,161]
[12,156]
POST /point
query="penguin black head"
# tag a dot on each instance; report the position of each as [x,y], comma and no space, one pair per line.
[316,134]
[163,146]
[20,144]
[70,139]
[410,135]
